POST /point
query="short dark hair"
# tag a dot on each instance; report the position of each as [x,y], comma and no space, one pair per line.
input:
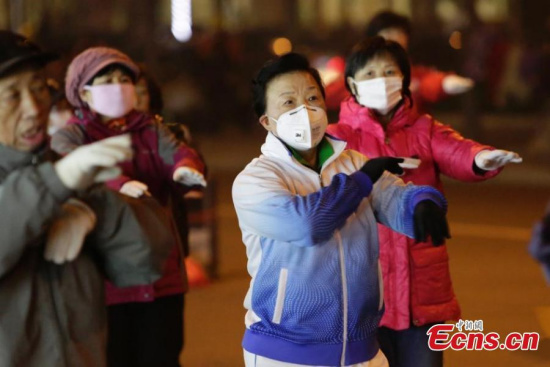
[110,68]
[388,19]
[371,47]
[287,63]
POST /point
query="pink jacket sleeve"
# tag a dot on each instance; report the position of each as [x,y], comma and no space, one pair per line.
[454,155]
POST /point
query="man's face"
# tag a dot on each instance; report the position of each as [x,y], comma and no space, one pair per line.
[24,108]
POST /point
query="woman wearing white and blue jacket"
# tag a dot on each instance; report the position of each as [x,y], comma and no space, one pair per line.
[308,210]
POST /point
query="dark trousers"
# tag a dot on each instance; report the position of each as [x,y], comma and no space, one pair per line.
[408,348]
[146,334]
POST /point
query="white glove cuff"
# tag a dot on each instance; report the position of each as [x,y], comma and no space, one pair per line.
[480,160]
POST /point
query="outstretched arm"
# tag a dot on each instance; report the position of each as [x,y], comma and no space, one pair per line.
[182,163]
[267,207]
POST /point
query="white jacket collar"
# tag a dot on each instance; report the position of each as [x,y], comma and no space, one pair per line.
[273,147]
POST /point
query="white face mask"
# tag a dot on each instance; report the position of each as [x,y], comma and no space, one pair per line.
[381,94]
[302,127]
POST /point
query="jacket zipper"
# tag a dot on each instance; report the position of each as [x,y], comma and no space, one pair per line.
[344,296]
[342,267]
[318,174]
[344,285]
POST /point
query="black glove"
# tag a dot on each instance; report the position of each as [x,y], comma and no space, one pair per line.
[376,166]
[429,220]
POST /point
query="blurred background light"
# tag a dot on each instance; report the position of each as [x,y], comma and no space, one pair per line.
[447,10]
[492,10]
[181,20]
[456,40]
[281,46]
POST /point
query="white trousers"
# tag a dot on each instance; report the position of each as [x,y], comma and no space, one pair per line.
[253,360]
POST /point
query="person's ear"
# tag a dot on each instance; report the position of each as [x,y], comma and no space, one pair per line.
[351,85]
[85,96]
[265,121]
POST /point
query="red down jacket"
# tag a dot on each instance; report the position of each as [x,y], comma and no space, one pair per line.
[417,282]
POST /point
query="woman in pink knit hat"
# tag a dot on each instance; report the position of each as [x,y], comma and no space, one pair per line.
[145,322]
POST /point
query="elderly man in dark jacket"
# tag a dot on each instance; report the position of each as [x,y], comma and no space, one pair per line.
[59,232]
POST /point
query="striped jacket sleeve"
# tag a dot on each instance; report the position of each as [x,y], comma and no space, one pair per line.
[266,207]
[394,202]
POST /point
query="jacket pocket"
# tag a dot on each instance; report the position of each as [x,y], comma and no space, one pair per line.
[281,292]
[430,278]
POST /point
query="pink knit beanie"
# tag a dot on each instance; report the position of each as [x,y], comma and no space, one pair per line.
[87,64]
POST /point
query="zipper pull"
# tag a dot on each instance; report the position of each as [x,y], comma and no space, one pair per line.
[34,160]
[387,140]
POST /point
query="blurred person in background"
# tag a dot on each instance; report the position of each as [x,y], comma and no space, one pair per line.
[145,323]
[149,100]
[60,233]
[61,111]
[308,210]
[539,247]
[148,92]
[539,148]
[379,120]
[427,85]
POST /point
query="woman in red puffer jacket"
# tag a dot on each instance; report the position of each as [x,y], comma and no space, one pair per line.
[378,120]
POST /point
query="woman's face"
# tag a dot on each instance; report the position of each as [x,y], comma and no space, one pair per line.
[380,66]
[143,97]
[288,91]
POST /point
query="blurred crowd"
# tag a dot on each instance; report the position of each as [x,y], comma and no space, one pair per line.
[506,63]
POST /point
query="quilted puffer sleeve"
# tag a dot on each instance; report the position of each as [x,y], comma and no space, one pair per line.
[454,155]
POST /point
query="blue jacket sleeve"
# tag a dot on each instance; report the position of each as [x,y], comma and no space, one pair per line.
[267,207]
[394,201]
